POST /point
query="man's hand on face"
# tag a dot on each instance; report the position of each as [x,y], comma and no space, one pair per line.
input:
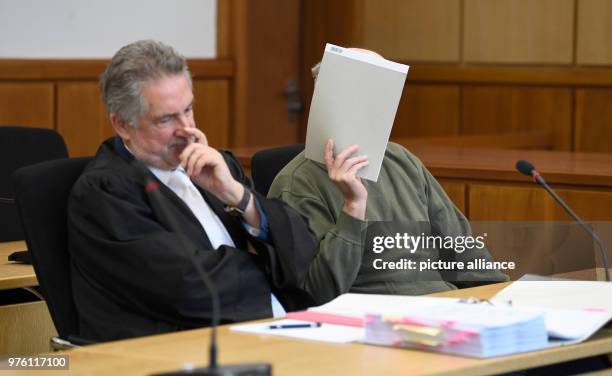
[342,170]
[207,168]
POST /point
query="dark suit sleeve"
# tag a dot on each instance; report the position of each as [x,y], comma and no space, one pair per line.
[292,246]
[124,249]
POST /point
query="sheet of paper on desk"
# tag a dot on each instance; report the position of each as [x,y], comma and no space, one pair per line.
[558,294]
[574,310]
[354,102]
[361,304]
[324,333]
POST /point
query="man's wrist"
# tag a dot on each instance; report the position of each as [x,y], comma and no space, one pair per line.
[355,209]
[234,194]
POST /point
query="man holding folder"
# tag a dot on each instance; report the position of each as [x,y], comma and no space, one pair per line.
[343,208]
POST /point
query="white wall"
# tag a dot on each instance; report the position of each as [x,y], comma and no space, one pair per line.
[98,28]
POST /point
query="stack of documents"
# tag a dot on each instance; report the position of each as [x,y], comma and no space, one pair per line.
[525,316]
[435,324]
[474,330]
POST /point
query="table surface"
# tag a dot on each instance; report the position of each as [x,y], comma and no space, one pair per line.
[297,357]
[14,275]
[463,162]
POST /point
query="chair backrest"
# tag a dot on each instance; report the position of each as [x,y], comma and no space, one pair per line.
[266,164]
[19,147]
[41,194]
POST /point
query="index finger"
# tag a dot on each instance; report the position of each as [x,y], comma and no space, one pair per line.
[329,153]
[197,134]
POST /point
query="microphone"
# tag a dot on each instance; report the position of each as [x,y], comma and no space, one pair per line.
[253,369]
[528,169]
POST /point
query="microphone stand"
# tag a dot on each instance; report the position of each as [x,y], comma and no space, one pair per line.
[585,227]
[528,169]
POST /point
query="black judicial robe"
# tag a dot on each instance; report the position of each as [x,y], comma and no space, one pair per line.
[130,276]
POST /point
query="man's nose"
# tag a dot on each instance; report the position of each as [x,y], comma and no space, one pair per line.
[186,121]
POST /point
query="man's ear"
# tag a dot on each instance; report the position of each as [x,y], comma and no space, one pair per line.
[120,126]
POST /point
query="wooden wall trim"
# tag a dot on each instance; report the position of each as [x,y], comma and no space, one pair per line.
[592,170]
[543,76]
[86,69]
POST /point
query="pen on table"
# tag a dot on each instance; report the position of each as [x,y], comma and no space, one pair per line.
[296,326]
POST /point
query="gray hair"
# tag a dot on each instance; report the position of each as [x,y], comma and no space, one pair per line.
[315,70]
[131,67]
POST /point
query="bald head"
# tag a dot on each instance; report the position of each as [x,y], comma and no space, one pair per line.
[317,66]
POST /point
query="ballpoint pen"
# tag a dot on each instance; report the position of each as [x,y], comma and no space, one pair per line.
[296,326]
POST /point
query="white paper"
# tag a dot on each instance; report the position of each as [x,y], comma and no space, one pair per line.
[324,333]
[354,102]
[358,305]
[574,310]
[558,294]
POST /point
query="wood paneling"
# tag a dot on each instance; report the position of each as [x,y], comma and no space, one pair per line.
[509,203]
[212,110]
[589,170]
[27,104]
[493,109]
[85,69]
[494,202]
[81,117]
[224,29]
[415,30]
[428,110]
[456,191]
[519,31]
[590,205]
[481,74]
[593,116]
[594,32]
[514,140]
[335,21]
[267,57]
[25,329]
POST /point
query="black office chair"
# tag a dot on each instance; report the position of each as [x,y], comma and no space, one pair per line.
[266,164]
[41,194]
[21,146]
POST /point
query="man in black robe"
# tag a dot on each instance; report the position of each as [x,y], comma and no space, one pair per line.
[131,273]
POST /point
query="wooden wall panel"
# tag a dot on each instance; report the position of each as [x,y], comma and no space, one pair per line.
[268,58]
[81,117]
[509,203]
[224,29]
[594,32]
[593,120]
[25,329]
[499,109]
[494,202]
[590,205]
[212,110]
[334,21]
[414,30]
[519,31]
[456,191]
[27,104]
[428,110]
[542,249]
